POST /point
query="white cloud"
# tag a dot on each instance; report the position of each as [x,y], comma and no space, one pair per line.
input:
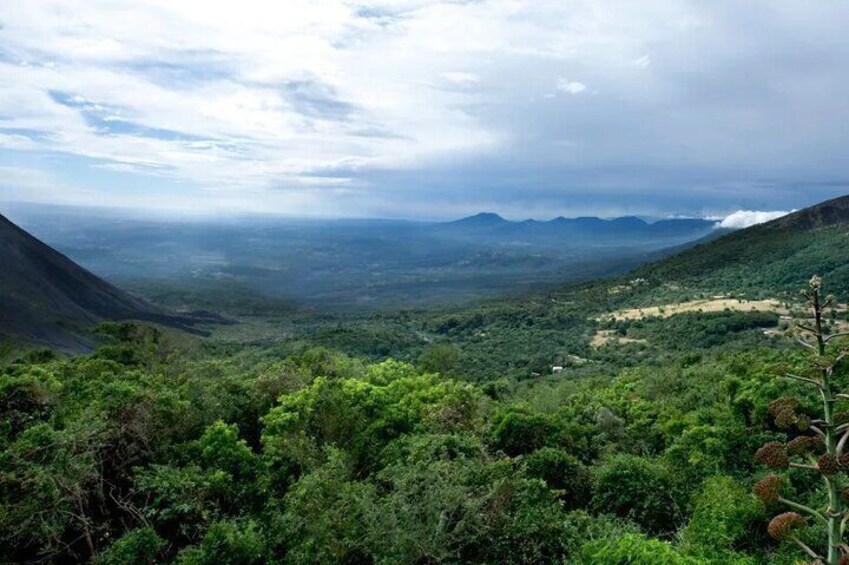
[747,218]
[642,62]
[462,79]
[407,95]
[25,184]
[571,86]
[20,142]
[225,96]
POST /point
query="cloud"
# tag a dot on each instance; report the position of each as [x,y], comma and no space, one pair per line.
[34,185]
[571,86]
[461,79]
[431,106]
[747,218]
[253,97]
[642,62]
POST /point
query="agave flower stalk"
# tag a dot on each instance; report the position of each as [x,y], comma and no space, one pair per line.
[829,438]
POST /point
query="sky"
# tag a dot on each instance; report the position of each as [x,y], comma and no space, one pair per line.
[425,109]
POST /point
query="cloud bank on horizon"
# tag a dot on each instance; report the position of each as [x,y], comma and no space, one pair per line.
[748,218]
[428,108]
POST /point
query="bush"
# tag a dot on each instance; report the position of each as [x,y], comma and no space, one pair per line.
[227,543]
[518,433]
[640,490]
[563,473]
[137,547]
[452,509]
[634,549]
[722,517]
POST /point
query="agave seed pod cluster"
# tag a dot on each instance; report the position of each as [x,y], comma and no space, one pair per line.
[773,455]
[784,524]
[802,445]
[783,412]
[828,464]
[768,489]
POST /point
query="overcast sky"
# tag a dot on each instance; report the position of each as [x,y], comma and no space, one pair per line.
[425,108]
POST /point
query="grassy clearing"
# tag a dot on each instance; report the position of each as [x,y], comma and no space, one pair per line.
[608,337]
[712,305]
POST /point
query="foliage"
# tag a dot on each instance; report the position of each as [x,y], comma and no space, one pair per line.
[634,549]
[227,543]
[155,450]
[563,473]
[141,546]
[724,516]
[640,490]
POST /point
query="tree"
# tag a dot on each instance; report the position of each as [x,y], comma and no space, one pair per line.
[563,473]
[141,546]
[443,358]
[638,489]
[826,433]
[721,519]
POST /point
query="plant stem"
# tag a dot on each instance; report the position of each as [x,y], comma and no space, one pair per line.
[834,513]
[805,509]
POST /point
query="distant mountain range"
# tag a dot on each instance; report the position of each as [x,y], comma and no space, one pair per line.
[47,299]
[588,228]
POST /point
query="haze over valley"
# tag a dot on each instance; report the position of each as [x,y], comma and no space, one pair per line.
[353,263]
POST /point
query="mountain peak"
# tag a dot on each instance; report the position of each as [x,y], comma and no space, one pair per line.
[481,219]
[629,221]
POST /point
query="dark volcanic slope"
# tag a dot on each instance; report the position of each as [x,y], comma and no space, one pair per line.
[47,299]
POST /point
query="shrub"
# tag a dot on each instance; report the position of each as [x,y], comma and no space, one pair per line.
[563,473]
[227,543]
[518,433]
[138,547]
[640,490]
[723,516]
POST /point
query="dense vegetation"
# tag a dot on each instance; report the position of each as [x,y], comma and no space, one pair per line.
[153,449]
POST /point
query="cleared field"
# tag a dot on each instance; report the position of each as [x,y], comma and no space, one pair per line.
[712,305]
[607,337]
[719,304]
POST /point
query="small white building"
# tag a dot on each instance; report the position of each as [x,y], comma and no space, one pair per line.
[557,369]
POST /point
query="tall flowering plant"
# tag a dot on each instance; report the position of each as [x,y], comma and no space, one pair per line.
[819,446]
